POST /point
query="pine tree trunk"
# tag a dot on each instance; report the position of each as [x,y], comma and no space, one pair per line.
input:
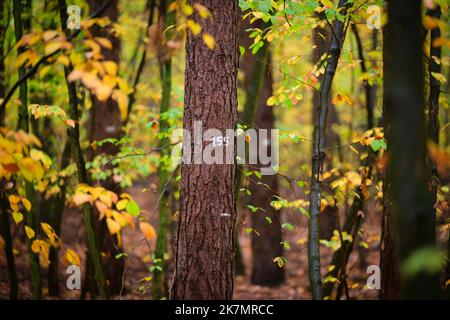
[411,202]
[204,252]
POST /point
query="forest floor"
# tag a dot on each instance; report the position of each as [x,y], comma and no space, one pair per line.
[138,261]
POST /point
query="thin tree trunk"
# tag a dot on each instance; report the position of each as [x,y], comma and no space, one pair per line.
[20,24]
[433,99]
[328,218]
[6,235]
[204,252]
[353,219]
[411,201]
[338,35]
[165,65]
[132,95]
[77,156]
[4,23]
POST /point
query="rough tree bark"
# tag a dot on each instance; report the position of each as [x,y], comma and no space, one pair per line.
[411,201]
[204,252]
[318,155]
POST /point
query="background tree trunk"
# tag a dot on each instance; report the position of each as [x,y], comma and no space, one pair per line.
[204,252]
[267,245]
[165,68]
[106,122]
[411,201]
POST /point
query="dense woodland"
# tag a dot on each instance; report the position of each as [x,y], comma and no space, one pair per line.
[101,178]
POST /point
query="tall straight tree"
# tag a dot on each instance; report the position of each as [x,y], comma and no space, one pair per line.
[411,201]
[166,19]
[73,135]
[318,153]
[204,252]
[106,122]
[22,24]
[258,85]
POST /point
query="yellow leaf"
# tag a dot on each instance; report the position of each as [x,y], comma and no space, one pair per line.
[17,216]
[327,3]
[110,67]
[53,46]
[103,92]
[209,41]
[147,230]
[70,123]
[271,101]
[340,99]
[202,10]
[13,199]
[439,42]
[194,26]
[80,198]
[113,226]
[64,60]
[51,234]
[49,34]
[26,203]
[36,246]
[104,42]
[30,232]
[430,22]
[121,204]
[122,101]
[72,257]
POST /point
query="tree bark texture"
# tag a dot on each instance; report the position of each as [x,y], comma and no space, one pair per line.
[204,252]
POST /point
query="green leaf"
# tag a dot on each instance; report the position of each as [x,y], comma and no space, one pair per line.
[288,226]
[120,255]
[133,208]
[426,259]
[378,144]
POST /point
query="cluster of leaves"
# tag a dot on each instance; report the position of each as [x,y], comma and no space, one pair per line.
[118,210]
